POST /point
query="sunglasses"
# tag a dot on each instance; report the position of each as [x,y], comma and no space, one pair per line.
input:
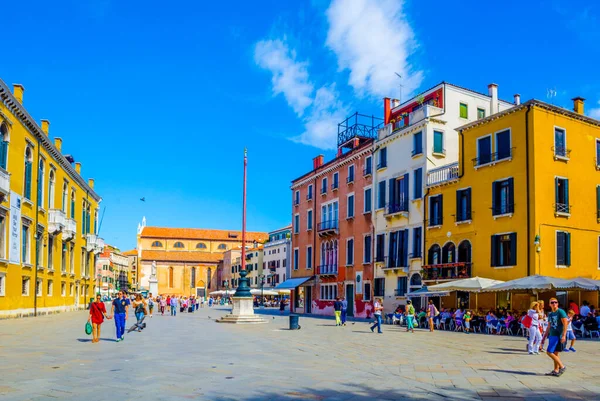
[553,302]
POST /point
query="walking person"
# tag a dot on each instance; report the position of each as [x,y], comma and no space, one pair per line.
[97,315]
[344,310]
[378,306]
[337,308]
[163,305]
[543,324]
[119,310]
[410,316]
[168,303]
[570,333]
[139,307]
[174,306]
[281,306]
[535,337]
[558,323]
[431,313]
[150,304]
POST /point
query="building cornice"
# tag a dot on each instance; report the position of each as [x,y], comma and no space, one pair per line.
[11,103]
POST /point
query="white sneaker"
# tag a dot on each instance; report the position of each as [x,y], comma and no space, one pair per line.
[537,353]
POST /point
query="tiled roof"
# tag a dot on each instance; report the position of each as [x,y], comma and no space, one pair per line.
[132,252]
[200,233]
[182,256]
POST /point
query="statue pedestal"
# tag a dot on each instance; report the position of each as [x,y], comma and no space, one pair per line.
[153,286]
[242,312]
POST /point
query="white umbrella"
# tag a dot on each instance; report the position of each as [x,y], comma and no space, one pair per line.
[587,283]
[538,283]
[263,292]
[474,284]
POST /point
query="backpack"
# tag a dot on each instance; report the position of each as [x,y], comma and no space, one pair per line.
[527,320]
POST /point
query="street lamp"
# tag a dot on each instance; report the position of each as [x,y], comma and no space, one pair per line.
[262,290]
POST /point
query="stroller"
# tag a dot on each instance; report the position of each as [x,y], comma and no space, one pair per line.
[139,326]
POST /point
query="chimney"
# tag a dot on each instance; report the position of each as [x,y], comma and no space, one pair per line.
[517,99]
[78,168]
[493,93]
[317,162]
[386,110]
[91,183]
[578,105]
[45,126]
[18,90]
[58,143]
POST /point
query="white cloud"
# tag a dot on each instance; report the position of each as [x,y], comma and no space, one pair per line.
[373,40]
[595,112]
[290,77]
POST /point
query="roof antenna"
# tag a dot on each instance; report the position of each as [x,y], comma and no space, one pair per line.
[400,76]
[550,94]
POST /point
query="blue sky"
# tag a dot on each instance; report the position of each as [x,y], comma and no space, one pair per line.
[158,100]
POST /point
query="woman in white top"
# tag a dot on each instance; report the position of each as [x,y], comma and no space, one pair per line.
[543,324]
[535,337]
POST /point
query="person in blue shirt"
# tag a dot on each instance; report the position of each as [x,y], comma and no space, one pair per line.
[174,305]
[344,310]
[119,309]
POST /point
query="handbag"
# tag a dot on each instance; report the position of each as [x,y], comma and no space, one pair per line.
[88,328]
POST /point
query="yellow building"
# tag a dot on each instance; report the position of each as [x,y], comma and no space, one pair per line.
[526,199]
[48,218]
[186,259]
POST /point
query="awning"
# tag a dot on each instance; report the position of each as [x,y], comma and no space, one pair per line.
[423,292]
[292,283]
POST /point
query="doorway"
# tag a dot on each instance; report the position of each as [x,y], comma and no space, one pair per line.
[77,296]
[350,299]
[308,299]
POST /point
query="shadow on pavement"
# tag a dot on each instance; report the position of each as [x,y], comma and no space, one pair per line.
[513,372]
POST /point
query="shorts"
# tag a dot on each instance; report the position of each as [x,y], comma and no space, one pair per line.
[570,335]
[554,344]
[467,325]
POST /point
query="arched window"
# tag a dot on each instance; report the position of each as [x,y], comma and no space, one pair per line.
[208,274]
[434,256]
[72,203]
[178,244]
[51,190]
[28,163]
[200,245]
[157,244]
[84,220]
[64,198]
[3,145]
[449,253]
[170,277]
[415,280]
[222,246]
[464,251]
[193,278]
[40,185]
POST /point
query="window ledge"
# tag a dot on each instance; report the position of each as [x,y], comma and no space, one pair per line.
[499,216]
[367,212]
[366,263]
[334,189]
[27,201]
[562,266]
[27,265]
[561,158]
[309,229]
[506,159]
[561,214]
[417,155]
[503,267]
[350,265]
[381,168]
[417,199]
[350,182]
[367,175]
[432,227]
[50,270]
[42,210]
[349,217]
[3,261]
[438,154]
[464,222]
[414,257]
[323,193]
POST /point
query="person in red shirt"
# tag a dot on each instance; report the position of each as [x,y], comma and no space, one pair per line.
[97,315]
[574,307]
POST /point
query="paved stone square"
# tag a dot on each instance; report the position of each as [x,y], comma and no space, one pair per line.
[192,357]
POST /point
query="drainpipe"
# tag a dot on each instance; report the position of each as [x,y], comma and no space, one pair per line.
[528,187]
[37,235]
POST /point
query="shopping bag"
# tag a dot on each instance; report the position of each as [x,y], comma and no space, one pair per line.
[88,328]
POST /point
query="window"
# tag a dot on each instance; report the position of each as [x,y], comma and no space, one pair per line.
[336,181]
[401,286]
[398,249]
[40,185]
[480,113]
[435,210]
[398,194]
[349,252]
[38,287]
[63,288]
[193,277]
[379,287]
[380,248]
[25,246]
[367,202]
[417,143]
[222,246]
[598,203]
[560,143]
[50,285]
[381,195]
[157,244]
[367,249]
[2,236]
[72,259]
[324,186]
[562,196]
[309,194]
[329,216]
[504,250]
[296,258]
[503,147]
[25,286]
[464,110]
[200,245]
[463,204]
[368,170]
[296,198]
[178,244]
[597,153]
[484,150]
[28,164]
[416,245]
[309,220]
[50,246]
[503,197]
[64,198]
[3,145]
[170,277]
[563,248]
[438,143]
[296,223]
[2,284]
[350,211]
[309,257]
[51,190]
[72,204]
[328,291]
[418,185]
[350,174]
[382,162]
[71,287]
[367,292]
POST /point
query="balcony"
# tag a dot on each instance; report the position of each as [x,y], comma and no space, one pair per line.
[490,159]
[423,112]
[367,171]
[358,126]
[442,175]
[4,182]
[335,186]
[70,229]
[561,153]
[562,209]
[392,264]
[447,271]
[91,242]
[395,208]
[309,197]
[327,270]
[99,245]
[350,180]
[56,220]
[326,228]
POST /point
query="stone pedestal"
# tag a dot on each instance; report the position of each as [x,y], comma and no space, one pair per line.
[242,312]
[153,286]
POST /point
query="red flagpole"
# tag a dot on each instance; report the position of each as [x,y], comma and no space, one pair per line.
[244,213]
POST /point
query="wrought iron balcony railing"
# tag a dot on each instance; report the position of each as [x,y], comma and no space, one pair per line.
[562,208]
[503,208]
[331,269]
[396,207]
[488,158]
[328,225]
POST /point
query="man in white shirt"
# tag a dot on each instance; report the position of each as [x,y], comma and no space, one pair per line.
[585,309]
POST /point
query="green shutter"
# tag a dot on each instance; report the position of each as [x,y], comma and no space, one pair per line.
[464,111]
[3,153]
[27,191]
[459,216]
[513,250]
[568,249]
[511,195]
[493,252]
[598,202]
[494,211]
[567,195]
[438,142]
[469,215]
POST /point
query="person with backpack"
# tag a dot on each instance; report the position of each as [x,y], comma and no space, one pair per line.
[410,316]
[531,322]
